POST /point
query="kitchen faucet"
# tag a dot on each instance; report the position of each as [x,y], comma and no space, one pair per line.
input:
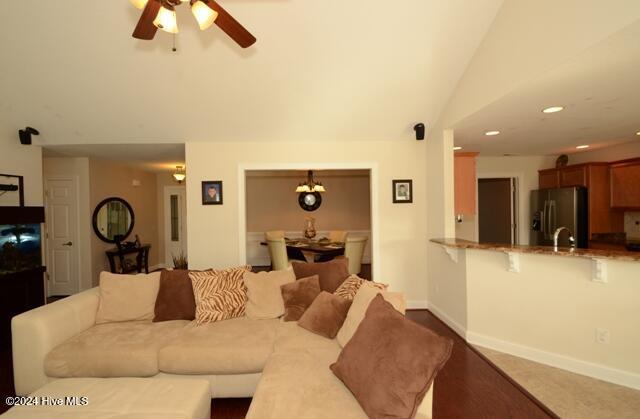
[556,234]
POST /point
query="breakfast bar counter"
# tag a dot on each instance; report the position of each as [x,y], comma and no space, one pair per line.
[541,250]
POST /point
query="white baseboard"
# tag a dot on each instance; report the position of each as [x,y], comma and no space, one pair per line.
[577,366]
[417,304]
[457,327]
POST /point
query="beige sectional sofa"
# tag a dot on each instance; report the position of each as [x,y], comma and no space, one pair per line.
[283,367]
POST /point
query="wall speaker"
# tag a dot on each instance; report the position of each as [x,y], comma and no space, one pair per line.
[25,135]
[419,129]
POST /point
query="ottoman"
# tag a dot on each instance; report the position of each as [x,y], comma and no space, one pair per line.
[98,398]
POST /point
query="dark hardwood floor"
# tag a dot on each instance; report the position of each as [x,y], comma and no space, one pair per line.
[469,386]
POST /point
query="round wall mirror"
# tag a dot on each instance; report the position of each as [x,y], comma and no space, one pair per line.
[113,218]
[309,201]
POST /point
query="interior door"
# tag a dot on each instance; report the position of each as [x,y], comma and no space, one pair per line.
[496,211]
[175,223]
[63,257]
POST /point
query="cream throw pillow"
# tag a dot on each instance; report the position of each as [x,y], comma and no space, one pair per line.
[127,297]
[351,285]
[264,297]
[366,293]
[220,294]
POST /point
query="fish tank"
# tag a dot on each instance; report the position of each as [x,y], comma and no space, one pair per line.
[20,247]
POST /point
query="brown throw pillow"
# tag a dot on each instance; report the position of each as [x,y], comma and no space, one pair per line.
[220,294]
[390,363]
[175,299]
[325,315]
[332,274]
[351,285]
[298,296]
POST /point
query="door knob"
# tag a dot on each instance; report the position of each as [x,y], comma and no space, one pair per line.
[67,244]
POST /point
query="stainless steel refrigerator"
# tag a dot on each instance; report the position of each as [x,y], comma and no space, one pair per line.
[561,207]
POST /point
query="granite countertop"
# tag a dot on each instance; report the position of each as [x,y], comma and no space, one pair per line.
[541,250]
[614,238]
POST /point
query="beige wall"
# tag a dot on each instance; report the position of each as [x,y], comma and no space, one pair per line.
[109,179]
[78,167]
[272,203]
[213,231]
[549,312]
[23,160]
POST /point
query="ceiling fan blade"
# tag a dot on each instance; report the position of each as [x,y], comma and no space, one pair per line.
[145,29]
[231,26]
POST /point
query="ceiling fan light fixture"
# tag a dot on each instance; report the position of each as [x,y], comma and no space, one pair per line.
[205,15]
[166,20]
[139,4]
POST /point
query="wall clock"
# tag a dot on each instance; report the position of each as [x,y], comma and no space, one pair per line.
[309,201]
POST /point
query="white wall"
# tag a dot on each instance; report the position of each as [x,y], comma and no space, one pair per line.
[77,166]
[213,231]
[23,160]
[525,169]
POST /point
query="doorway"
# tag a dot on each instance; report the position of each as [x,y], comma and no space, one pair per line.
[175,223]
[497,210]
[63,255]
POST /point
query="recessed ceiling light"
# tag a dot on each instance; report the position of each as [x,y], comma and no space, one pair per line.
[638,133]
[580,147]
[553,109]
[457,148]
[492,133]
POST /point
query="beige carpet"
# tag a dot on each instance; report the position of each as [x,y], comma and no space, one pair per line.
[569,395]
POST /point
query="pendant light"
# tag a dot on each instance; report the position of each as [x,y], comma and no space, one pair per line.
[166,20]
[205,16]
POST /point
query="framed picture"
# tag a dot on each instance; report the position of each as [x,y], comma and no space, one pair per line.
[403,191]
[212,192]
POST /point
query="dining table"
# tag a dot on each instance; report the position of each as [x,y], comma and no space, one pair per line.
[322,249]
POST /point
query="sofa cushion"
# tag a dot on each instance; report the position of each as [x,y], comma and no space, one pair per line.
[235,346]
[175,299]
[358,308]
[220,294]
[298,296]
[124,349]
[390,362]
[264,297]
[127,297]
[332,274]
[351,285]
[325,315]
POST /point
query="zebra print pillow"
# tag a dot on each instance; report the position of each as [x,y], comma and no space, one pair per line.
[351,285]
[220,294]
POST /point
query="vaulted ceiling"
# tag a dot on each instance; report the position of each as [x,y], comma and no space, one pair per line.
[321,70]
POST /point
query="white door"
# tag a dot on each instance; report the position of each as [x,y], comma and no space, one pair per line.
[175,223]
[61,226]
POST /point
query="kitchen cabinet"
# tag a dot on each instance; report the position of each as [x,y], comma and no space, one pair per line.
[549,178]
[625,184]
[596,178]
[465,183]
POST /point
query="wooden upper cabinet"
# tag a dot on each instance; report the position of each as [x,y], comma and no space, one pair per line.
[573,176]
[549,178]
[625,184]
[465,183]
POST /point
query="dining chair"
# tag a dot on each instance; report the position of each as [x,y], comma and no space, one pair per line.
[337,236]
[354,250]
[278,254]
[274,234]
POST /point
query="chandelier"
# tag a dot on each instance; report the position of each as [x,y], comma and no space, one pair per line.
[310,185]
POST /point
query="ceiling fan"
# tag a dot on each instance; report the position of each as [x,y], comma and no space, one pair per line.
[161,14]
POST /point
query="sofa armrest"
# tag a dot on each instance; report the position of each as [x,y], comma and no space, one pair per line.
[36,332]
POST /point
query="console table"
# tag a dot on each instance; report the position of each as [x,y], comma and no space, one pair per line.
[142,258]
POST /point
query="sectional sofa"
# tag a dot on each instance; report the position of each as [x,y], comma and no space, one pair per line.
[282,366]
